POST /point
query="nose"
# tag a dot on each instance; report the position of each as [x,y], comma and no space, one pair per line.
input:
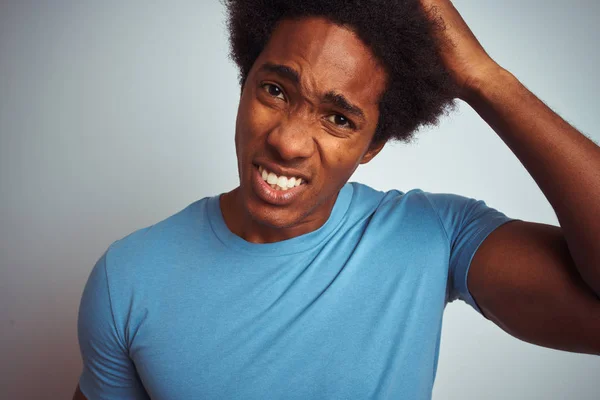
[292,138]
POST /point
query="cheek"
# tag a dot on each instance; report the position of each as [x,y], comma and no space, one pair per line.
[254,118]
[340,158]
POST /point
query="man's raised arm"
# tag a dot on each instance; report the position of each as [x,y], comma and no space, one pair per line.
[538,282]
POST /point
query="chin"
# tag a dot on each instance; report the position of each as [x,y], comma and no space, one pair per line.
[272,216]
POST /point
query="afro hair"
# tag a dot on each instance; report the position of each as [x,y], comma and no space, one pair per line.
[400,33]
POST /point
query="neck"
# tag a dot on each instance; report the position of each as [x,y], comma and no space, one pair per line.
[241,222]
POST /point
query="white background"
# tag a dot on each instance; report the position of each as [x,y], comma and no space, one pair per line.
[116,115]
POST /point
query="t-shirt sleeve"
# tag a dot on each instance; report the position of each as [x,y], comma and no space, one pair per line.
[108,372]
[467,223]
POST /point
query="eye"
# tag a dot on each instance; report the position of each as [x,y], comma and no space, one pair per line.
[273,90]
[340,121]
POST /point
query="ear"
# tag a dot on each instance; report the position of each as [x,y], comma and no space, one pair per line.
[374,149]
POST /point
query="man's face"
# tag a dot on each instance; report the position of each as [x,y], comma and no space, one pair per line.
[307,114]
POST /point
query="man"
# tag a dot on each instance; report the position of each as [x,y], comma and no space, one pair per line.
[299,285]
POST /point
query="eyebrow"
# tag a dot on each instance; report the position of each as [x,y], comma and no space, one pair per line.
[283,70]
[340,101]
[337,99]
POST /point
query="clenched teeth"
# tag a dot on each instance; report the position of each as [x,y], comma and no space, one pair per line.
[279,182]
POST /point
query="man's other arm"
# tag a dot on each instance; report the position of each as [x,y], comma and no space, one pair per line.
[78,395]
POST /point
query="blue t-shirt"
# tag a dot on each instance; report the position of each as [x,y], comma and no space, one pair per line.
[185,309]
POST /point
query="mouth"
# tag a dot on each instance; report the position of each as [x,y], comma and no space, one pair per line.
[276,189]
[279,182]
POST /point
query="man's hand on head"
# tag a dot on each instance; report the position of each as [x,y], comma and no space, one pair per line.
[462,53]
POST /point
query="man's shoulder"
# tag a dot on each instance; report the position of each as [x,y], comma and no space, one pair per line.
[414,196]
[376,199]
[415,207]
[152,243]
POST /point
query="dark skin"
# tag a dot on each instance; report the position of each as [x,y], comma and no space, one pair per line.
[291,116]
[540,283]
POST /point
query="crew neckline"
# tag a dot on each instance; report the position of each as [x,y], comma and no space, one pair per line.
[285,247]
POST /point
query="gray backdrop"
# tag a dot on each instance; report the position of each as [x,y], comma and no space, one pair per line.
[114,115]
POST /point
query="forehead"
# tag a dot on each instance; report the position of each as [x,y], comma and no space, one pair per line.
[327,57]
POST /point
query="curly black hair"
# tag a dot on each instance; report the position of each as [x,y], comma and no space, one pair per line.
[400,34]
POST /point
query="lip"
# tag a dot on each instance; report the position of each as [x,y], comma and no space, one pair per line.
[273,196]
